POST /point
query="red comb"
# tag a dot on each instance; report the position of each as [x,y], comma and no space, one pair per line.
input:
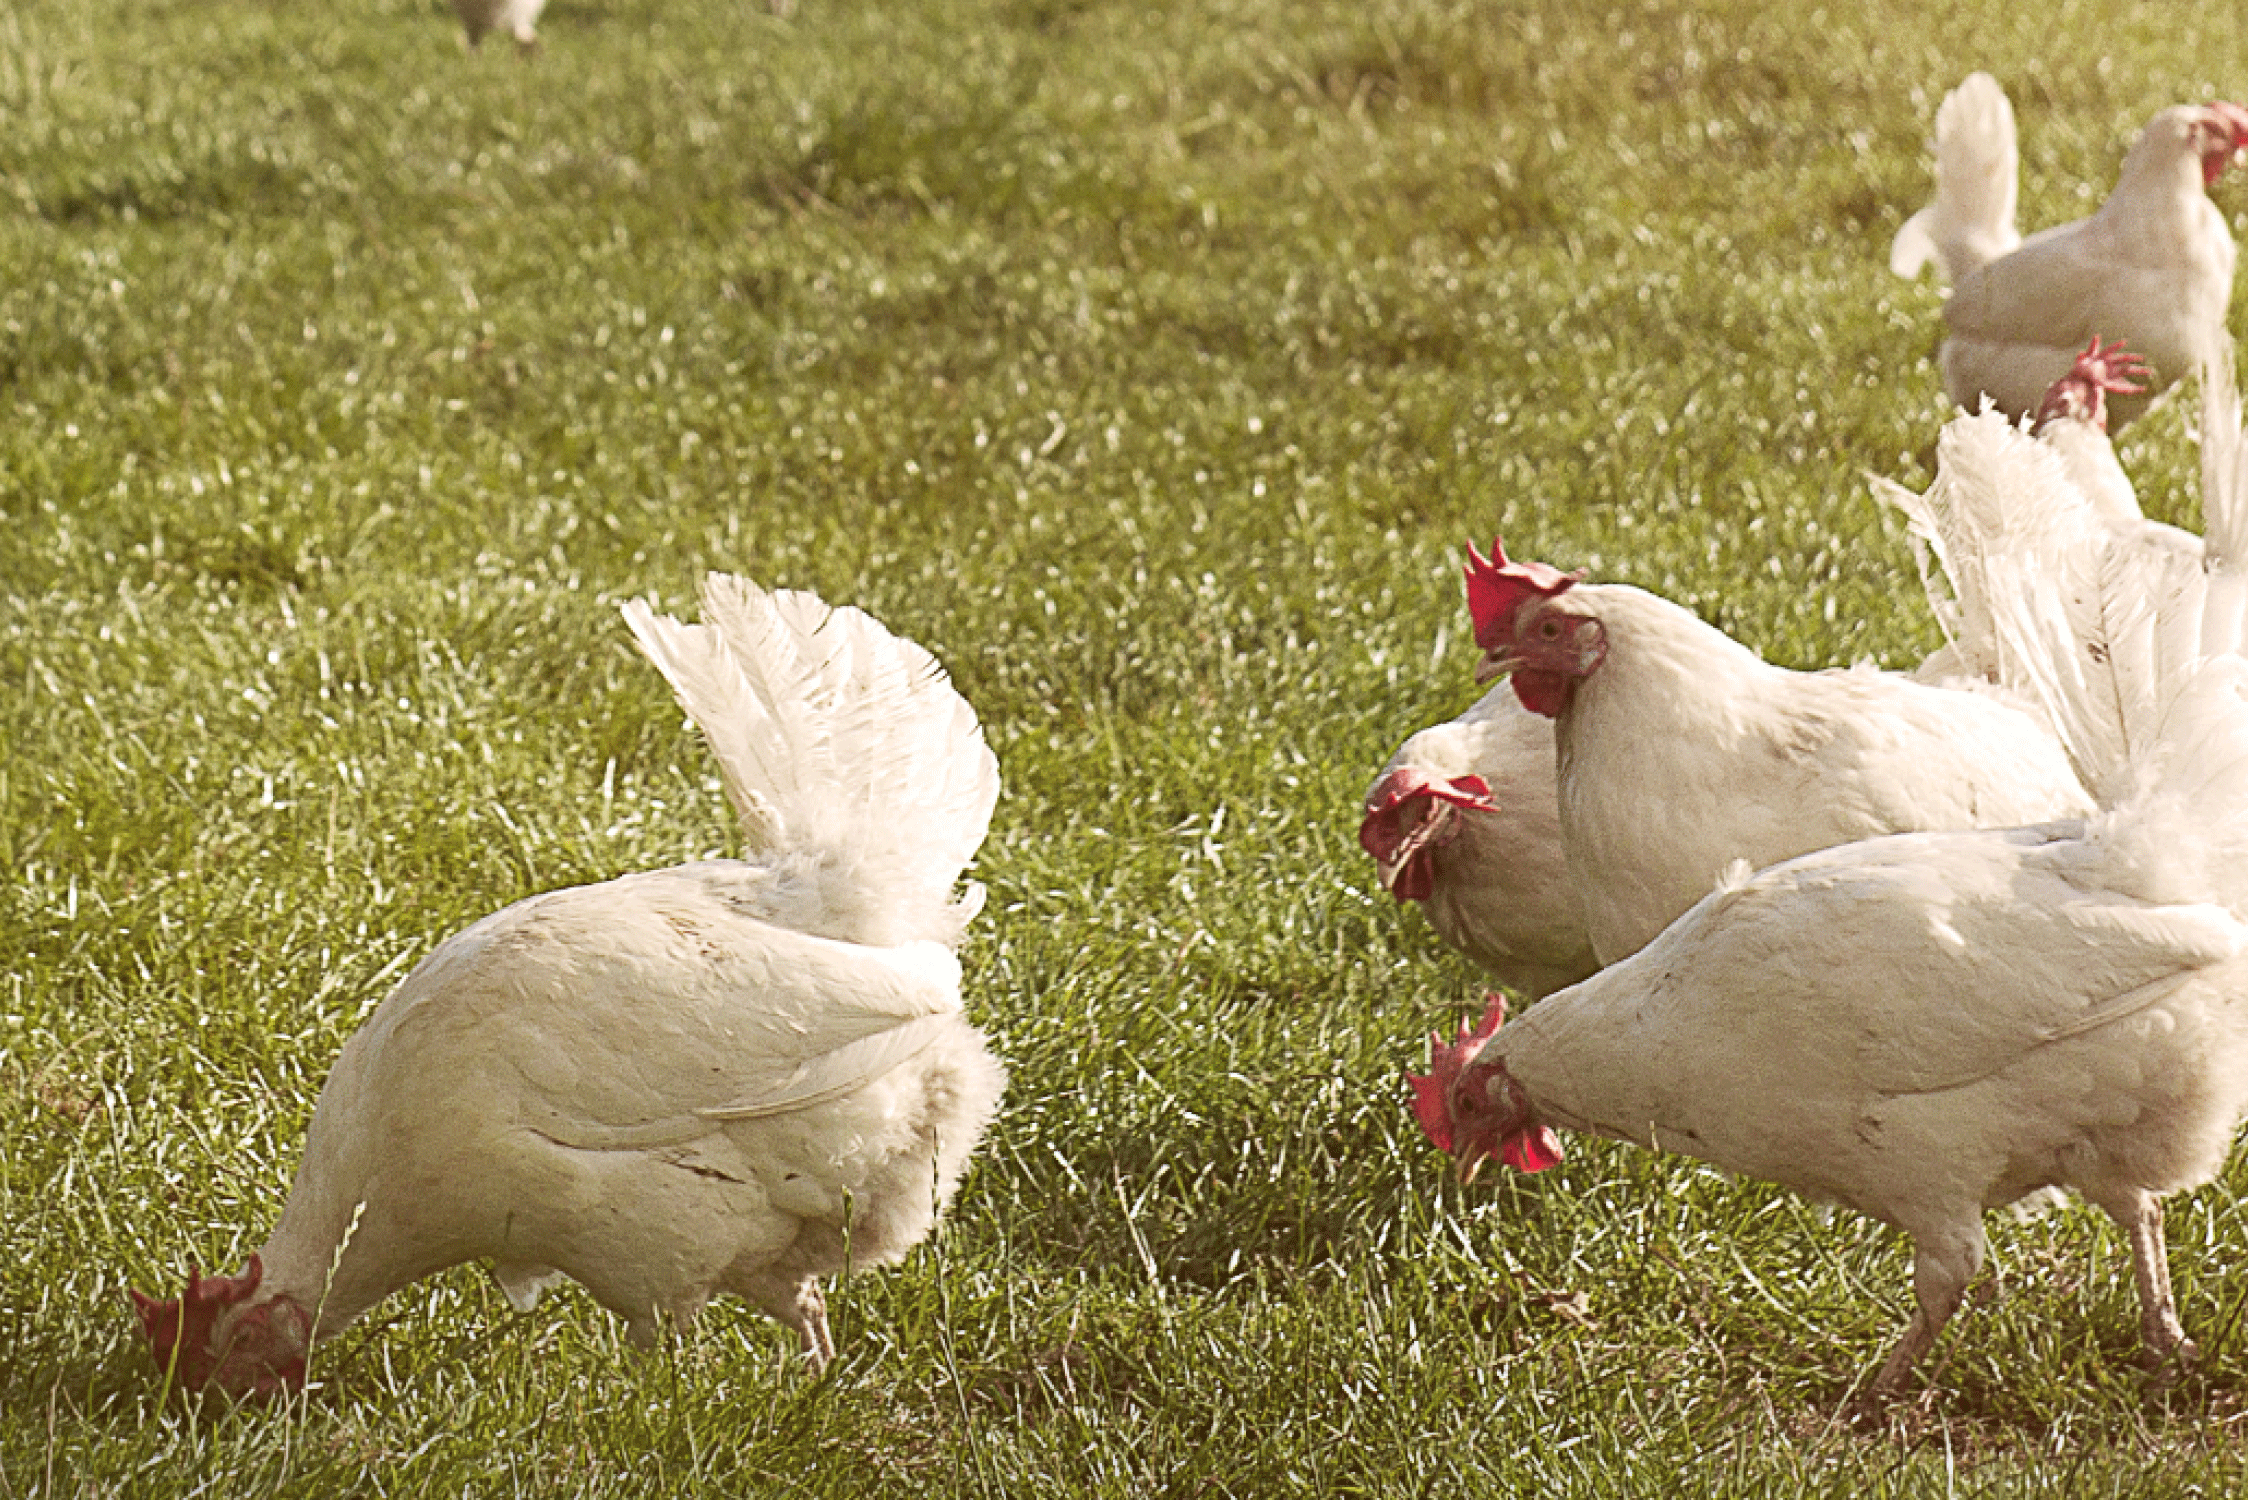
[1531,1150]
[2098,371]
[2228,145]
[179,1331]
[2111,367]
[1381,832]
[1496,588]
[1431,1090]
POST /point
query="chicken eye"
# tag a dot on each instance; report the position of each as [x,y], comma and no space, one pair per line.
[1550,630]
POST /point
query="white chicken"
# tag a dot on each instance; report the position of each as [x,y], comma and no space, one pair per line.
[2154,265]
[735,1075]
[1466,820]
[1928,1025]
[518,18]
[1681,751]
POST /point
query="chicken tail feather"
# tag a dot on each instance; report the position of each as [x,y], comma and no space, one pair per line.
[1971,220]
[841,745]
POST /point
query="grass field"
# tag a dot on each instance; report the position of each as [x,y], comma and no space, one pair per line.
[1147,362]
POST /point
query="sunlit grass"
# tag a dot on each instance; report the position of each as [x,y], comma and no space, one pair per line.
[1149,363]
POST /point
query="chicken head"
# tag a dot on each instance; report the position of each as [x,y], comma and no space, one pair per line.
[2082,393]
[1409,814]
[206,1338]
[1471,1107]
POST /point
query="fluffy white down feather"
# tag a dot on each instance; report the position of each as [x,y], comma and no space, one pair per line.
[731,1076]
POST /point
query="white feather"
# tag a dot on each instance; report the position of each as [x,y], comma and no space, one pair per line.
[1971,220]
[847,754]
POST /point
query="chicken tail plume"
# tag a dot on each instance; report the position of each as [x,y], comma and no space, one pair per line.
[841,746]
[1971,220]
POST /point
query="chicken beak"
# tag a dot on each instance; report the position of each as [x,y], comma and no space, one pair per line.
[1495,663]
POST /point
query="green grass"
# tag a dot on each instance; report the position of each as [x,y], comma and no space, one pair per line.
[1149,363]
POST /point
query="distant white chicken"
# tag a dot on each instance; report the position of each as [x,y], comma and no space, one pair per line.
[1466,820]
[518,18]
[1682,751]
[2154,265]
[731,1076]
[1925,1026]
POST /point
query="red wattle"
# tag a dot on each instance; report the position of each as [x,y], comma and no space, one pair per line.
[1544,693]
[1531,1150]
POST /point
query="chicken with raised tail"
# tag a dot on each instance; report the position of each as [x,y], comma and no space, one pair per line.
[729,1076]
[1929,1025]
[1465,820]
[2001,499]
[2153,265]
[1681,751]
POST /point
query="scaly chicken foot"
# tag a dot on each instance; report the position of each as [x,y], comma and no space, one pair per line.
[811,1308]
[2167,1350]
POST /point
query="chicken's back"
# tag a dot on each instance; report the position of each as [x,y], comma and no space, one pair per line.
[1919,1027]
[1685,752]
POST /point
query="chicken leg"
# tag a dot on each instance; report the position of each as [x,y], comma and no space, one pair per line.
[2167,1347]
[1942,1265]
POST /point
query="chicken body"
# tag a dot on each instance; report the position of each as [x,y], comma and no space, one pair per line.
[1489,871]
[2153,265]
[730,1076]
[1681,751]
[1918,1027]
[646,1085]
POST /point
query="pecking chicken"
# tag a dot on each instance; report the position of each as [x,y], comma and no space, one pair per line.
[2154,265]
[730,1076]
[1928,1025]
[1681,751]
[1465,819]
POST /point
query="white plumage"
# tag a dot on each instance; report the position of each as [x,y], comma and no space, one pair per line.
[2154,265]
[2006,509]
[1928,1025]
[1681,751]
[734,1075]
[1971,220]
[518,18]
[1465,819]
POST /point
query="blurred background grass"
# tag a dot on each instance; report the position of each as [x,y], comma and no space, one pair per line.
[1147,362]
